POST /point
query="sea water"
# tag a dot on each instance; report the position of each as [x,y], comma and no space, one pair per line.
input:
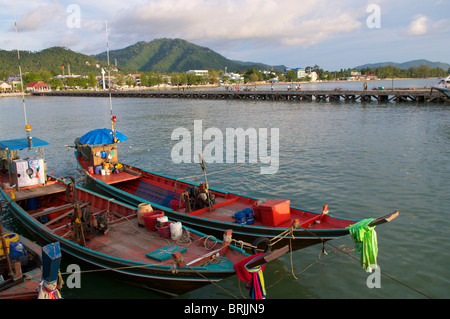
[364,160]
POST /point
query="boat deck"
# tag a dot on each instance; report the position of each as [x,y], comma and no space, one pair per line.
[127,241]
[116,178]
[36,191]
[109,179]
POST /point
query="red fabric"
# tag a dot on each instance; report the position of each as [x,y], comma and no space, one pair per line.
[241,272]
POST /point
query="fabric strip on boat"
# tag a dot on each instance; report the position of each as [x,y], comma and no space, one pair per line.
[155,194]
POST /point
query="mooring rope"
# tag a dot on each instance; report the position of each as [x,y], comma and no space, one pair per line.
[290,232]
[203,175]
[355,258]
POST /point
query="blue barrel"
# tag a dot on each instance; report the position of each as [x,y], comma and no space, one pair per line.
[51,258]
[249,216]
[16,250]
[240,218]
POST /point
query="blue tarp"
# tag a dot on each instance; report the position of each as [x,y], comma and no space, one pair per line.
[21,143]
[101,136]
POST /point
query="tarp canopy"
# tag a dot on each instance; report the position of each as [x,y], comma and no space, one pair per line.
[101,136]
[21,143]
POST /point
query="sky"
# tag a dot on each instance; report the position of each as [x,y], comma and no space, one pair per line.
[297,33]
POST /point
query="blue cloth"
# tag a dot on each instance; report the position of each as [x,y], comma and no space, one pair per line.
[155,194]
[101,136]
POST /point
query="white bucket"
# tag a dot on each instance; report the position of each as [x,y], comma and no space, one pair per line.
[163,219]
[103,171]
[175,230]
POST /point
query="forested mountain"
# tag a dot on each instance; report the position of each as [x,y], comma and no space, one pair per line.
[173,55]
[51,59]
[177,55]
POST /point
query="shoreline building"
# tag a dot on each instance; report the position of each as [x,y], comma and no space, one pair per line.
[302,73]
[38,87]
[203,73]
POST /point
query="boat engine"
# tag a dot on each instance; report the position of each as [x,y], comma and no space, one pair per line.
[101,224]
[198,197]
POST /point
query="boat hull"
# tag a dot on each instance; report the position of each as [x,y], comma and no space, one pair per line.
[445,91]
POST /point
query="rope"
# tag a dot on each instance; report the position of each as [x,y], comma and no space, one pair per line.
[204,175]
[346,253]
[385,274]
[173,269]
[201,175]
[290,232]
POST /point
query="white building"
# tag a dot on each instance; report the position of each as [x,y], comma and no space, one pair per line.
[234,76]
[5,86]
[198,72]
[313,76]
[301,73]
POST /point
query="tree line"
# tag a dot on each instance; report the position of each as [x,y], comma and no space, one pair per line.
[150,79]
[389,71]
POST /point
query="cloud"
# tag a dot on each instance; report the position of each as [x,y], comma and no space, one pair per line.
[423,25]
[285,22]
[40,17]
[418,26]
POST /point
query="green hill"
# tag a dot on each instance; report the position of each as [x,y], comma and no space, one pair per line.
[50,59]
[172,55]
[407,65]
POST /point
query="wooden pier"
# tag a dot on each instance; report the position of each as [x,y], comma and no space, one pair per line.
[396,95]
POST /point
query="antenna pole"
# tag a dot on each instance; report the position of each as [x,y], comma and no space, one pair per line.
[27,127]
[109,85]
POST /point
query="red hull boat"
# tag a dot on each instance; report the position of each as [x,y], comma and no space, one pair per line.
[258,225]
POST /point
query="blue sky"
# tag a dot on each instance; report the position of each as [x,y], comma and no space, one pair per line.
[296,33]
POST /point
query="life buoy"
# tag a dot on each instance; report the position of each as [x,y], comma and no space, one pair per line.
[261,240]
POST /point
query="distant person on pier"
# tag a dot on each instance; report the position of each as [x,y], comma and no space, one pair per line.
[365,86]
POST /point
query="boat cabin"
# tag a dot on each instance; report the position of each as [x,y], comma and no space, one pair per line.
[19,172]
[100,157]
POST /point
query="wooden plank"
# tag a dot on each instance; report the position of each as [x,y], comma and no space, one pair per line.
[264,259]
[385,219]
[117,178]
[58,218]
[38,191]
[56,209]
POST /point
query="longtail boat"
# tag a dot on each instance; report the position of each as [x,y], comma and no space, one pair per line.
[445,91]
[444,86]
[20,269]
[26,267]
[256,224]
[105,233]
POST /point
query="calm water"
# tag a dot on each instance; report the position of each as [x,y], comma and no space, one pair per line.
[363,160]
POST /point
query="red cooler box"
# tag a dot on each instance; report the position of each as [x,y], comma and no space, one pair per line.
[275,212]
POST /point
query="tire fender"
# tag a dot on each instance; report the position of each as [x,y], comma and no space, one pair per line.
[261,240]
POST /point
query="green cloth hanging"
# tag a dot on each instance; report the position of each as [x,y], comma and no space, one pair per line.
[365,240]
